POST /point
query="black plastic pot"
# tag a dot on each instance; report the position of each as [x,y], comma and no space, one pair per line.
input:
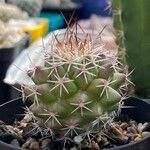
[13,110]
[7,55]
[140,111]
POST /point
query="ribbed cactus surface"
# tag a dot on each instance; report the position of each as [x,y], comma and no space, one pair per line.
[132,21]
[78,85]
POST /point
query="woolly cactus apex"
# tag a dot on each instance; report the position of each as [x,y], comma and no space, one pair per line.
[79,83]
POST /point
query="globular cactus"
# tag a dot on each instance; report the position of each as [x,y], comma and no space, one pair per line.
[32,7]
[8,12]
[79,84]
[131,21]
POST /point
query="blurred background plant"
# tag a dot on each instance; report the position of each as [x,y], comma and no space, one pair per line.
[131,22]
[32,7]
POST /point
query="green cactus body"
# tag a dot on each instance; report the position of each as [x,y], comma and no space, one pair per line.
[134,21]
[80,83]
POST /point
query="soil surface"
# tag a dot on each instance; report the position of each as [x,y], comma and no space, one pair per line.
[29,135]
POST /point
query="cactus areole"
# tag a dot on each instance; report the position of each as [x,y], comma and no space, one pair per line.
[79,85]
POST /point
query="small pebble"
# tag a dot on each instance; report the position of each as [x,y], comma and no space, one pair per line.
[10,129]
[147,127]
[1,122]
[98,138]
[132,136]
[27,118]
[26,145]
[132,130]
[15,143]
[105,141]
[145,124]
[134,126]
[23,125]
[140,127]
[138,138]
[94,146]
[85,144]
[124,125]
[34,145]
[117,131]
[6,135]
[45,143]
[78,139]
[145,134]
[31,144]
[133,122]
[16,130]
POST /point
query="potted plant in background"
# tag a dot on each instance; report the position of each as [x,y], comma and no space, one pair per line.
[8,11]
[32,7]
[131,21]
[10,48]
[65,8]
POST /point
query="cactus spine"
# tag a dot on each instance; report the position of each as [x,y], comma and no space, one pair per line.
[133,24]
[79,84]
